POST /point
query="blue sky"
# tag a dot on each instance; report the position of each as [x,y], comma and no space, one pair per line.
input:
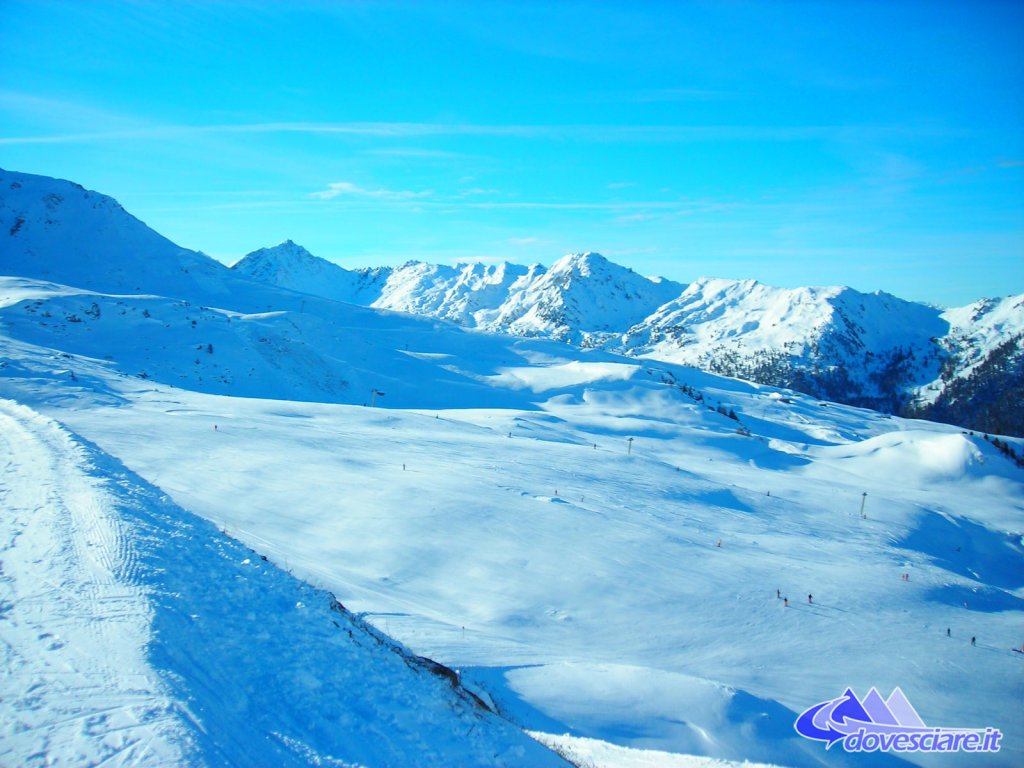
[873,144]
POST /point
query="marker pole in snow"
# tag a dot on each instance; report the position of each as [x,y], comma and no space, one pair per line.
[863,499]
[373,396]
[629,448]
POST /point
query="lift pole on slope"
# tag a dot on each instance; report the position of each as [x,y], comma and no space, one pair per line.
[863,499]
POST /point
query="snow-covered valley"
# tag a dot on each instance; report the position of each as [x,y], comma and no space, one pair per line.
[613,553]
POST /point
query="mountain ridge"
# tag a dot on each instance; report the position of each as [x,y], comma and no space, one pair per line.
[872,349]
[867,349]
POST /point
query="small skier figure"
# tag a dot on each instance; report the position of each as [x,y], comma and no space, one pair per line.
[972,641]
[810,600]
[718,543]
[785,602]
[778,594]
[947,632]
[214,427]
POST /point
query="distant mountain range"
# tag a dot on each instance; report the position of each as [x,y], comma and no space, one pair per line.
[962,365]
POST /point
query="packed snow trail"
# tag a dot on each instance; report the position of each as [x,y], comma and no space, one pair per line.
[74,620]
[134,633]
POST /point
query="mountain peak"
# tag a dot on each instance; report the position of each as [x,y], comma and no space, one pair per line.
[289,265]
[585,263]
[287,252]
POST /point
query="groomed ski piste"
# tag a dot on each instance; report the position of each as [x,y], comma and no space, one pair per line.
[592,544]
[135,633]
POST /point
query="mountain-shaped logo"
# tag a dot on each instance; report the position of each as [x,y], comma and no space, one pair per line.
[874,724]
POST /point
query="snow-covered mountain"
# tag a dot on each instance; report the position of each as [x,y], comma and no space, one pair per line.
[981,383]
[836,343]
[979,328]
[582,299]
[874,349]
[58,231]
[617,554]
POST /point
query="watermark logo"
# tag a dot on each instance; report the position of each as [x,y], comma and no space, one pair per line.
[874,724]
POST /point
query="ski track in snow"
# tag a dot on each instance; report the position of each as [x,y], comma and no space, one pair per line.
[74,618]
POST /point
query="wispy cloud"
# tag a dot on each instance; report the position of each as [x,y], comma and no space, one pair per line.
[680,94]
[348,189]
[635,218]
[578,205]
[417,153]
[595,133]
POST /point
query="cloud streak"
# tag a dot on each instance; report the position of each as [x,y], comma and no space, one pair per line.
[592,133]
[348,189]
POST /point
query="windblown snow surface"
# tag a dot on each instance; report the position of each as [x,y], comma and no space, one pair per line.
[589,540]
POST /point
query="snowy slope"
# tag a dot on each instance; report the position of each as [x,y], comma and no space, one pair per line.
[56,230]
[530,561]
[76,615]
[137,634]
[338,353]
